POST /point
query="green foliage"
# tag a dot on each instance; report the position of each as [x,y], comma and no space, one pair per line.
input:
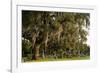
[26,47]
[26,44]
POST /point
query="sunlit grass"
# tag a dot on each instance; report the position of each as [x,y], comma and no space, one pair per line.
[62,59]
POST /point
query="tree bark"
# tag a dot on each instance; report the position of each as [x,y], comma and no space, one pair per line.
[37,52]
[35,49]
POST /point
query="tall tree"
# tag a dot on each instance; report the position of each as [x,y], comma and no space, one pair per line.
[53,33]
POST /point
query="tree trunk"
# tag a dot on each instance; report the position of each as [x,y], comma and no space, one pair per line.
[43,55]
[36,55]
[46,44]
[34,36]
[79,53]
[33,44]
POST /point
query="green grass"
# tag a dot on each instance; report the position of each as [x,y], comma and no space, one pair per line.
[62,59]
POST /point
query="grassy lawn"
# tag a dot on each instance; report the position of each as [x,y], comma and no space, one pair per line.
[64,59]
